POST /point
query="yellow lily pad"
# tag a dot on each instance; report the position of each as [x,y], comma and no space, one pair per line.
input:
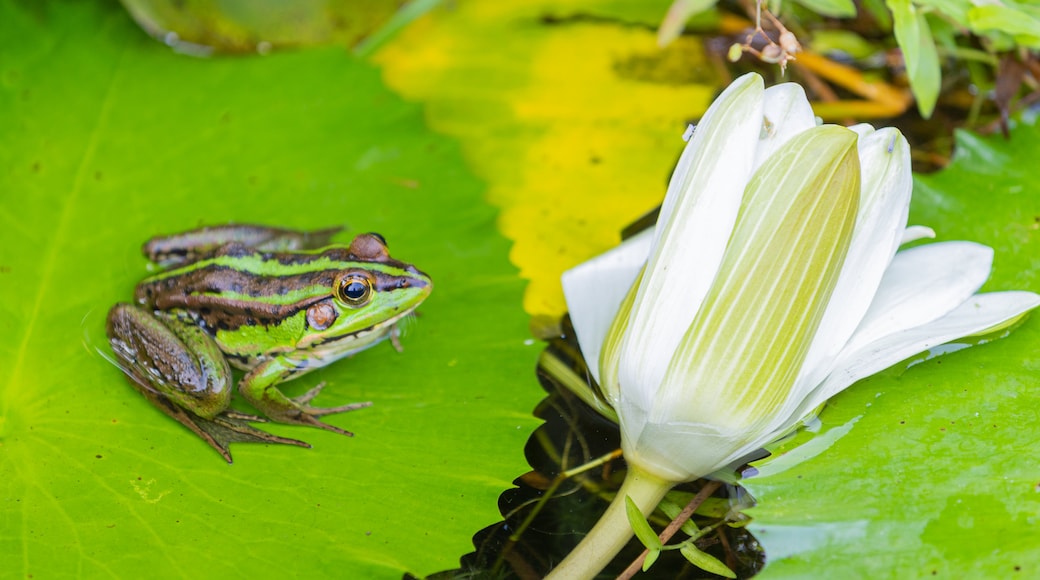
[569,111]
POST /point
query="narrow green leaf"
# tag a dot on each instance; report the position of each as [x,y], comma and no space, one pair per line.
[640,526]
[922,60]
[705,561]
[876,8]
[847,41]
[403,17]
[651,557]
[679,13]
[832,8]
[955,10]
[672,510]
[712,507]
[1024,28]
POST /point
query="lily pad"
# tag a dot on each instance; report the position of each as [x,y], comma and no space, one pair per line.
[574,122]
[927,469]
[205,26]
[109,138]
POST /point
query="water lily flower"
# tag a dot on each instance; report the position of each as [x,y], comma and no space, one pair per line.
[771,282]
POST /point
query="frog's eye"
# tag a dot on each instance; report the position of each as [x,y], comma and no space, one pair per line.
[379,237]
[355,290]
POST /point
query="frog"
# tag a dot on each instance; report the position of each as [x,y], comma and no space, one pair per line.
[275,303]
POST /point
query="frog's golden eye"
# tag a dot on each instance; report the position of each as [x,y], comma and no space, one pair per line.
[355,290]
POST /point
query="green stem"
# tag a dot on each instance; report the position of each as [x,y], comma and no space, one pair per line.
[612,531]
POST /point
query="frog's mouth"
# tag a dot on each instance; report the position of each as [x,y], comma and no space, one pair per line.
[323,350]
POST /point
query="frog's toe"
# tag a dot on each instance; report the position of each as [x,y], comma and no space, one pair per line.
[310,394]
[222,430]
[322,411]
[302,403]
[233,427]
[298,410]
[308,420]
[309,416]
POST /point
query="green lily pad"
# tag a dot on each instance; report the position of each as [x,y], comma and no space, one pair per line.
[109,138]
[928,468]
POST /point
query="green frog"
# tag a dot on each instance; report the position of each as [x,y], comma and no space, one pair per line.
[275,303]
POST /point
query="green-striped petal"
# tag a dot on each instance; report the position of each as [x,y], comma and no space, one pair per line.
[736,365]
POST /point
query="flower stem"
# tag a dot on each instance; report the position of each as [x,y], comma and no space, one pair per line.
[612,531]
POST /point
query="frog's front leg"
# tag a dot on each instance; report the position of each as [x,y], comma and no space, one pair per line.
[180,369]
[260,388]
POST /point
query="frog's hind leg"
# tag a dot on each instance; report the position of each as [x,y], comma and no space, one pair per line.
[190,384]
[222,430]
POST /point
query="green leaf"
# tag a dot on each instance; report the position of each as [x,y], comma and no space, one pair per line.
[678,14]
[672,510]
[401,19]
[957,10]
[705,561]
[877,10]
[922,60]
[1023,27]
[109,138]
[651,557]
[847,41]
[832,8]
[927,471]
[640,526]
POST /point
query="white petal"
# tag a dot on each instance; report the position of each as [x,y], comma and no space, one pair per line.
[695,223]
[739,359]
[914,233]
[678,451]
[740,104]
[594,291]
[980,313]
[862,129]
[786,112]
[884,204]
[922,284]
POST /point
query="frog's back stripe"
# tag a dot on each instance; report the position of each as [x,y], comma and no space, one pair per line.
[195,244]
[226,298]
[238,257]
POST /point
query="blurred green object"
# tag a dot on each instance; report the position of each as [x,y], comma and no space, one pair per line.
[202,27]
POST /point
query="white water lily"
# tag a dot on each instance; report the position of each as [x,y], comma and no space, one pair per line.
[771,282]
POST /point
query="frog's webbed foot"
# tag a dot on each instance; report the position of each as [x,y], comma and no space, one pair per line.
[303,413]
[221,431]
[260,388]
